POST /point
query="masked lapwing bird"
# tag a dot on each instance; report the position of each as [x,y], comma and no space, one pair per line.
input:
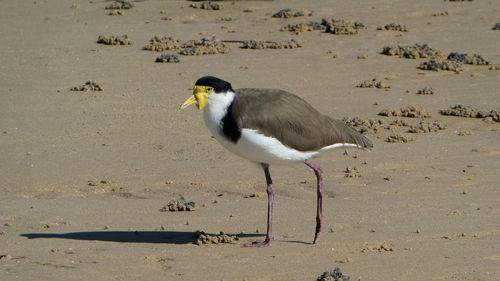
[269,126]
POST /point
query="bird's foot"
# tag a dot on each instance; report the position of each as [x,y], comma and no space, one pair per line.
[316,238]
[319,224]
[264,243]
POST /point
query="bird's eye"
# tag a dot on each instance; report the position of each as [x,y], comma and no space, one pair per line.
[209,89]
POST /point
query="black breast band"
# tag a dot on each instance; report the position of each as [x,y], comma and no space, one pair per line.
[229,127]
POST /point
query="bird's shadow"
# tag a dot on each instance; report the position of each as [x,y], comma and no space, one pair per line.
[168,237]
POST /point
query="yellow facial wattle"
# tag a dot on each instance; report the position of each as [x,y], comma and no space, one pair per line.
[200,97]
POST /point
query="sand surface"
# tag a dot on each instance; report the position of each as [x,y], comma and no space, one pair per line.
[84,175]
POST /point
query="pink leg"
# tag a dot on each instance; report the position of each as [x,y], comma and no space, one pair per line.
[319,215]
[270,196]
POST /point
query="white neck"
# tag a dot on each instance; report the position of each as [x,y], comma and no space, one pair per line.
[216,109]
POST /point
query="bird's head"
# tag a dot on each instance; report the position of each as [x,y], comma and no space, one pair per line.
[203,87]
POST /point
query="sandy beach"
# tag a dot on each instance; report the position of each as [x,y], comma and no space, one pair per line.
[87,172]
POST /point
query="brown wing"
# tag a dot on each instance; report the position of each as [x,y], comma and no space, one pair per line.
[291,120]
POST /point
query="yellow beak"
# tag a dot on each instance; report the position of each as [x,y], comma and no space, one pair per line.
[200,96]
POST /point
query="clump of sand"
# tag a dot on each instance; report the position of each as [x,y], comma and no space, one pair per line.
[438,65]
[368,126]
[119,4]
[204,46]
[409,111]
[426,91]
[292,13]
[341,26]
[88,86]
[396,138]
[333,26]
[470,112]
[303,26]
[416,51]
[168,58]
[393,27]
[335,275]
[445,13]
[179,205]
[374,83]
[164,43]
[114,40]
[465,58]
[352,172]
[426,127]
[384,247]
[394,125]
[206,238]
[207,6]
[287,44]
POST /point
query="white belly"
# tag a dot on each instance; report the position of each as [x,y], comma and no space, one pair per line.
[261,149]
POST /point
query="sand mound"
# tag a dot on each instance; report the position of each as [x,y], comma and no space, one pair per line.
[204,46]
[409,111]
[416,51]
[426,127]
[206,238]
[254,44]
[335,275]
[303,26]
[470,112]
[119,4]
[164,43]
[179,205]
[438,65]
[341,26]
[368,126]
[426,91]
[291,13]
[374,83]
[114,40]
[465,58]
[393,27]
[88,86]
[207,6]
[168,58]
[395,138]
